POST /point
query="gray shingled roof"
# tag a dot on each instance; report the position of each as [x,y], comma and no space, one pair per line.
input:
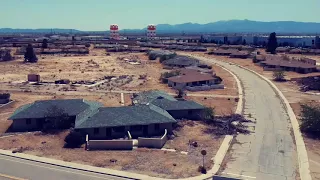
[126,116]
[176,105]
[39,109]
[148,96]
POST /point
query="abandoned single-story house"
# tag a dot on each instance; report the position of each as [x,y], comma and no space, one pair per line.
[181,109]
[178,109]
[115,122]
[240,54]
[192,79]
[196,69]
[297,51]
[274,62]
[32,116]
[282,49]
[285,65]
[223,52]
[181,61]
[152,112]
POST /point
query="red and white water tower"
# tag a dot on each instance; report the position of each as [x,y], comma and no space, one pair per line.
[151,31]
[114,32]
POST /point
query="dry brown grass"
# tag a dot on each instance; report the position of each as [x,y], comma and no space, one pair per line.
[147,161]
[88,67]
[222,106]
[194,131]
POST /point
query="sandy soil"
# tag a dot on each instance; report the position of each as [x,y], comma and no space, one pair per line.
[93,67]
[147,161]
[222,106]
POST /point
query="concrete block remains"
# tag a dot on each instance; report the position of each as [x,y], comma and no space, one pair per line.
[33,77]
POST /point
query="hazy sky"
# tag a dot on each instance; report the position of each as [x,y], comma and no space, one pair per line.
[99,14]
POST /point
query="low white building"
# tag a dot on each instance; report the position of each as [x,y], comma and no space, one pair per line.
[294,41]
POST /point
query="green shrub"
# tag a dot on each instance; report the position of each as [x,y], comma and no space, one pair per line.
[279,75]
[74,139]
[152,56]
[310,119]
[167,75]
[208,114]
[4,96]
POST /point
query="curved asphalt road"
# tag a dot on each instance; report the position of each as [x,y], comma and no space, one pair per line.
[269,152]
[18,169]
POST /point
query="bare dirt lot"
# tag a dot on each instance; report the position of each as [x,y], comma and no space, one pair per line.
[93,68]
[147,161]
[95,72]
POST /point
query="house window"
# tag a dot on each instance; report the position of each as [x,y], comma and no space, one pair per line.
[174,84]
[157,127]
[136,128]
[28,121]
[119,129]
[189,112]
[96,131]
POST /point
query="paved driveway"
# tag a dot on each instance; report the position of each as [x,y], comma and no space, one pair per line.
[269,152]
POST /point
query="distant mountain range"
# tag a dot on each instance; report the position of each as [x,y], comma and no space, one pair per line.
[231,26]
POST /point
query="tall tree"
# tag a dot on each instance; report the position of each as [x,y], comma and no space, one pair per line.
[45,43]
[56,118]
[29,55]
[272,43]
[310,121]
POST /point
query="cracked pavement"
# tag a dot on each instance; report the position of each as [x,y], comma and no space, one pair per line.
[269,151]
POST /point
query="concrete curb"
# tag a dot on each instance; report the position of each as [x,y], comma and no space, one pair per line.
[3,105]
[240,90]
[74,166]
[301,148]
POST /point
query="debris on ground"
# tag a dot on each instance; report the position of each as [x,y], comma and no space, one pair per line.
[229,125]
[62,81]
[311,83]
